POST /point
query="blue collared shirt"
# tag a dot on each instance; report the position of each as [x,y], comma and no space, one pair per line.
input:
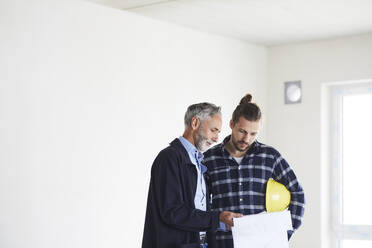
[196,158]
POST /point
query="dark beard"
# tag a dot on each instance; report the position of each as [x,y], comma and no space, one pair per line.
[237,147]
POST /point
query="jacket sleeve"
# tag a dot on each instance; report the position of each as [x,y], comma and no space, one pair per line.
[286,176]
[169,198]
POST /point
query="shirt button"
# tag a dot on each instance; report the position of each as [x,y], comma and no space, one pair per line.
[240,184]
[241,199]
[239,168]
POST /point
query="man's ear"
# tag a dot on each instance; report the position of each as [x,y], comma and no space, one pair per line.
[231,124]
[195,123]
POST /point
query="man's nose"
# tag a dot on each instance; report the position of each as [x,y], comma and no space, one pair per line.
[215,138]
[246,138]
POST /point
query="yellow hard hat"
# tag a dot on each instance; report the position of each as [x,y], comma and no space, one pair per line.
[277,196]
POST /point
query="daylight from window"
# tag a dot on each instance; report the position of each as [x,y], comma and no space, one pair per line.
[357,164]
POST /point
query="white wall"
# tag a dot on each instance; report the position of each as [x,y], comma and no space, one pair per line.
[296,129]
[88,97]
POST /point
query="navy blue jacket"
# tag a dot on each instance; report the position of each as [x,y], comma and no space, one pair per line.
[171,218]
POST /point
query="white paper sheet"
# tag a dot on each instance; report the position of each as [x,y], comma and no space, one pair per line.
[265,230]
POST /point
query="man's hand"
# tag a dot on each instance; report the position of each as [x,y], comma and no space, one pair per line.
[227,218]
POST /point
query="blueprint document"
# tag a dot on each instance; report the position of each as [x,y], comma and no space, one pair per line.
[265,230]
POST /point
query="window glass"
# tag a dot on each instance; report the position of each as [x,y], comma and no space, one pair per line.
[357,244]
[357,160]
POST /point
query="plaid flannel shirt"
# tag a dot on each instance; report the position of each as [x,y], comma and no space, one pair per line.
[241,188]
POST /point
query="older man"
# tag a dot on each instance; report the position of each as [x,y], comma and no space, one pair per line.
[177,214]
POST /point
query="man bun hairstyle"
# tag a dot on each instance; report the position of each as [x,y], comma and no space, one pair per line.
[246,99]
[246,108]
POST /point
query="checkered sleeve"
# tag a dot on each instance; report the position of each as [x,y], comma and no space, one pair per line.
[286,176]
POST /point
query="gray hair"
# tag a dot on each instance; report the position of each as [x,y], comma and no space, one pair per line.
[202,111]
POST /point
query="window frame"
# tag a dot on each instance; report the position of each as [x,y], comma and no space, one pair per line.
[340,230]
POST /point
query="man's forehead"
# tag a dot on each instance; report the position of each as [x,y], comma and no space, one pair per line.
[214,120]
[245,124]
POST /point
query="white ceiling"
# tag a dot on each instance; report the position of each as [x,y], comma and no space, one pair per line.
[265,22]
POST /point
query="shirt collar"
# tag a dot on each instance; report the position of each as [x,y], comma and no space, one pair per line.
[191,149]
